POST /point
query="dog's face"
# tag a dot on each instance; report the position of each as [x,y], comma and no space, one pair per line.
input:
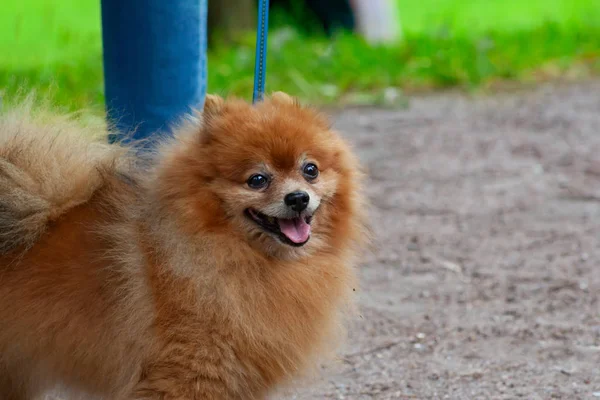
[274,175]
[282,202]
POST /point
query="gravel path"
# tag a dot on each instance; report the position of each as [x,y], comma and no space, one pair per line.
[485,283]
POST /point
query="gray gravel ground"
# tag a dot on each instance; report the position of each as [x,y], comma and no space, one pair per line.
[486,281]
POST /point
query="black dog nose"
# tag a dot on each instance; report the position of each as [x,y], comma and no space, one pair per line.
[297,201]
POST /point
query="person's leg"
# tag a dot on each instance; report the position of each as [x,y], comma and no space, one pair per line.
[378,20]
[154,63]
[333,14]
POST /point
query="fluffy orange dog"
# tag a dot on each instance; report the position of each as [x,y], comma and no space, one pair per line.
[219,273]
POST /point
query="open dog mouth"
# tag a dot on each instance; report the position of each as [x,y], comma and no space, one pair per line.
[292,231]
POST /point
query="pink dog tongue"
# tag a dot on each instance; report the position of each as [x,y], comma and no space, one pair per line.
[296,229]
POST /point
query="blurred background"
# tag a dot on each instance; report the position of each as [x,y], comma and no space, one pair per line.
[55,47]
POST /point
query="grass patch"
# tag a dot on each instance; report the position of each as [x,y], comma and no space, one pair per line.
[55,47]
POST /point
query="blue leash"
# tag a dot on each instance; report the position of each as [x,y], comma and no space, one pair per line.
[260,64]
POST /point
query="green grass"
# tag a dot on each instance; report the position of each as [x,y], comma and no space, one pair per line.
[481,16]
[54,46]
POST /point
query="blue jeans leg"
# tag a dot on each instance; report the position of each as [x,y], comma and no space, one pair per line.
[154,64]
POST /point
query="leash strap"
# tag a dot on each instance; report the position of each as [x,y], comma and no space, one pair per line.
[260,64]
[203,50]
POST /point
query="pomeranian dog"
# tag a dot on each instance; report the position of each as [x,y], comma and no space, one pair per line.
[219,270]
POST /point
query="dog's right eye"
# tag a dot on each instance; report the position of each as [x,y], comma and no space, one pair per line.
[258,181]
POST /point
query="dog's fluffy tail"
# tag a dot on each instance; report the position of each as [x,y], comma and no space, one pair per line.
[48,165]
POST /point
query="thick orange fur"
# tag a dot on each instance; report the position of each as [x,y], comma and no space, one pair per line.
[154,284]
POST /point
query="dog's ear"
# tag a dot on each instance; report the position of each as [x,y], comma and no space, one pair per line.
[284,98]
[213,106]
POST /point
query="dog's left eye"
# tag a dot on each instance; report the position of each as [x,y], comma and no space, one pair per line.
[258,181]
[310,171]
